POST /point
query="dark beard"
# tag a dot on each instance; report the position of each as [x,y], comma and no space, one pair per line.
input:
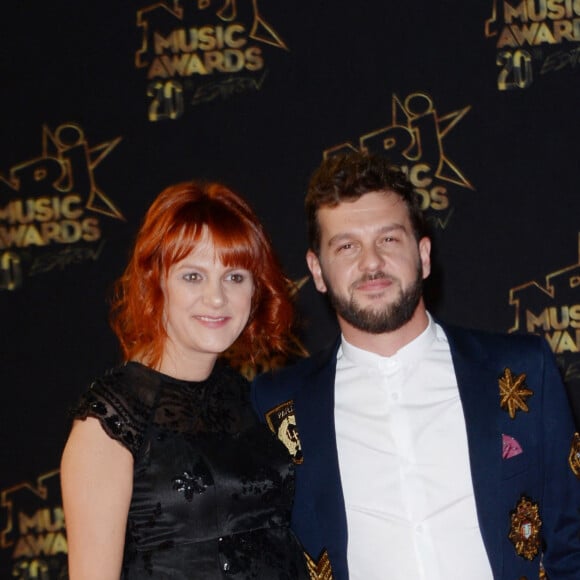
[393,317]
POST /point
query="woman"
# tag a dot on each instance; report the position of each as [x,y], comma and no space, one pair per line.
[166,472]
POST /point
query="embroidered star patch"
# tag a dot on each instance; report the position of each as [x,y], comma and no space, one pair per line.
[513,392]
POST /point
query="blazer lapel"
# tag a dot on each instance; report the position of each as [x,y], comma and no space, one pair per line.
[477,382]
[314,406]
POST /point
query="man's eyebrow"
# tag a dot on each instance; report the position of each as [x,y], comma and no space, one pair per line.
[352,234]
[340,237]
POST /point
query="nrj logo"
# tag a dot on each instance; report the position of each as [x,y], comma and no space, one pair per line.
[414,140]
[552,310]
[533,37]
[50,206]
[197,51]
[33,541]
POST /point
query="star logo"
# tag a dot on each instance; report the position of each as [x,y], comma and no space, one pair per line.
[513,392]
[412,112]
[415,136]
[185,14]
[60,143]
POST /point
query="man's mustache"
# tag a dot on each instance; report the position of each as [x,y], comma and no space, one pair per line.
[371,277]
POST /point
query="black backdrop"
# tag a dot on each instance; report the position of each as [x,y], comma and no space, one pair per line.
[105,103]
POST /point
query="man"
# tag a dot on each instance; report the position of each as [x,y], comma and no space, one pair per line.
[423,451]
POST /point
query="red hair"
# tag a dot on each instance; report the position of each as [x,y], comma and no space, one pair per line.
[172,226]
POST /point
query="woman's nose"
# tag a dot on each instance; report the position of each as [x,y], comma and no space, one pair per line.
[214,294]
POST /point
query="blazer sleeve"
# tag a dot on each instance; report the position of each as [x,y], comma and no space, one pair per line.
[561,517]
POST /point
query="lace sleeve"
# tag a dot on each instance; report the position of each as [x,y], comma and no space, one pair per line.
[121,412]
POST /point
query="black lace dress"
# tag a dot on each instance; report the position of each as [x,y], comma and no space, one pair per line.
[212,487]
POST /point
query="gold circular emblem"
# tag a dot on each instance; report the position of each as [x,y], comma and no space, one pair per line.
[525,528]
[574,457]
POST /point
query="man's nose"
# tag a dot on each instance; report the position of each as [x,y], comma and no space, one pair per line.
[371,259]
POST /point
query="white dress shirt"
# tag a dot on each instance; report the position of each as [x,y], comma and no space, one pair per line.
[404,464]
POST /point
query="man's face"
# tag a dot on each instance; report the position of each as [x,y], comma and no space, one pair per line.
[370,263]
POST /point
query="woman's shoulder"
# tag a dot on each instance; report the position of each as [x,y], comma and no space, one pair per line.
[133,380]
[122,400]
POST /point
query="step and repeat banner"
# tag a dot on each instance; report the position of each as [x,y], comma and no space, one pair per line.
[106,103]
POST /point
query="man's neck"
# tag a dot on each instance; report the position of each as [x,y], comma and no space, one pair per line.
[387,343]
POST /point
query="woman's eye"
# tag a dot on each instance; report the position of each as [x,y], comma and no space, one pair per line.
[192,277]
[237,278]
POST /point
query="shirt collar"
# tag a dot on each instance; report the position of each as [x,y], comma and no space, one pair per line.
[409,354]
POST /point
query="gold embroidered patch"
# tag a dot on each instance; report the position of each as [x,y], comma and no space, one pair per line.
[574,457]
[282,422]
[513,391]
[320,570]
[525,528]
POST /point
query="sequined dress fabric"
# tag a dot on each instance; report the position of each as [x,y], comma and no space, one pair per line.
[212,488]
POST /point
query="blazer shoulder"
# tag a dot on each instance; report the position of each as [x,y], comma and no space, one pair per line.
[282,384]
[297,371]
[492,344]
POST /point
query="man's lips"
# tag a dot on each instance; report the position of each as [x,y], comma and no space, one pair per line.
[374,285]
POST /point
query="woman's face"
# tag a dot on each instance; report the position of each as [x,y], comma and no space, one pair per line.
[207,305]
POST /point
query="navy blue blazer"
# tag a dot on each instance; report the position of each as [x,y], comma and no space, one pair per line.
[533,496]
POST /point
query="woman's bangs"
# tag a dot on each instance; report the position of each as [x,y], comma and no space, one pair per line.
[180,241]
[235,245]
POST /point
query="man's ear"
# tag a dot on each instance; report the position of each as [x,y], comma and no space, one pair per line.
[425,255]
[316,271]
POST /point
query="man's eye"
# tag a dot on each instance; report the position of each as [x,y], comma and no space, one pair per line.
[347,246]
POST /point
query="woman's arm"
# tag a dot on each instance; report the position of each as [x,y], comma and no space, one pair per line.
[96,482]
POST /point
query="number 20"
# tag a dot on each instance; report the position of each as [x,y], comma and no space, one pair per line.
[167,100]
[516,72]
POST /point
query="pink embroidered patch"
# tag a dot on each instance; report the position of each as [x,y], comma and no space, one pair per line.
[510,447]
